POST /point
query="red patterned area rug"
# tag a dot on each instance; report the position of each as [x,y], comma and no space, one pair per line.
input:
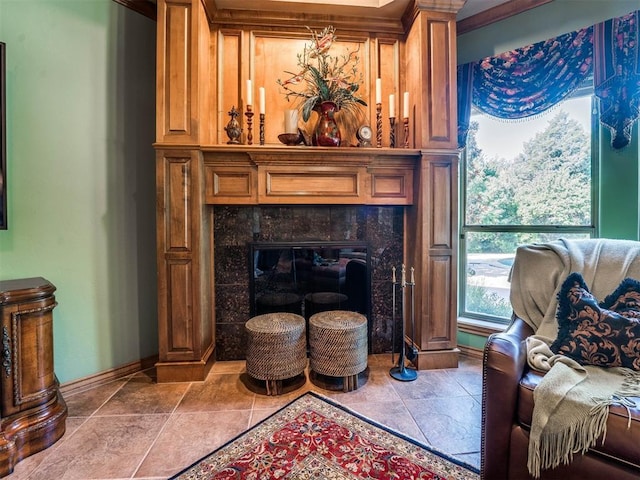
[314,438]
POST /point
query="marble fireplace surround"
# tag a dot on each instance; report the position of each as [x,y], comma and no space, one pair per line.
[381,227]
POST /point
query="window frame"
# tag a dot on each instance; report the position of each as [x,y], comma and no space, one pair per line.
[479,322]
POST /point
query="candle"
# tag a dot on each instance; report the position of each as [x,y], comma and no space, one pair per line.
[249,93]
[405,108]
[291,121]
[378,90]
[262,100]
[392,105]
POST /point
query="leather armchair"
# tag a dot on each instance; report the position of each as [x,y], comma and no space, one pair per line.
[507,406]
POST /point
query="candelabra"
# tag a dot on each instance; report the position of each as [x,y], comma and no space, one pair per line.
[249,115]
[406,132]
[262,129]
[392,132]
[379,125]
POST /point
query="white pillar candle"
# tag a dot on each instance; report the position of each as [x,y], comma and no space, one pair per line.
[249,93]
[378,90]
[405,107]
[262,100]
[290,121]
[392,105]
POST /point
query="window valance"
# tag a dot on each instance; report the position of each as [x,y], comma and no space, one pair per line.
[527,81]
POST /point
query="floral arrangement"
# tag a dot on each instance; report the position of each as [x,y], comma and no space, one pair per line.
[324,78]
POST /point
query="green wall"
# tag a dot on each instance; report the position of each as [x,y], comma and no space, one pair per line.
[81,194]
[619,174]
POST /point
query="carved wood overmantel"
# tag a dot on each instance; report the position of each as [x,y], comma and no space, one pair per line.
[204,57]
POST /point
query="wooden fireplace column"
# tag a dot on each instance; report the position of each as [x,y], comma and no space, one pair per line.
[431,224]
[194,166]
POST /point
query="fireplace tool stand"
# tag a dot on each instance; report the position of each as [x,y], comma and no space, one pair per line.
[400,371]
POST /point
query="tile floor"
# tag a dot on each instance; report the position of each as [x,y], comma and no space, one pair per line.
[136,428]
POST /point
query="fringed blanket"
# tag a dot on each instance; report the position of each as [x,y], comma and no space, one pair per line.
[571,405]
[571,401]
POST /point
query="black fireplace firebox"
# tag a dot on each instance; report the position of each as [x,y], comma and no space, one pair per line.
[310,277]
[322,250]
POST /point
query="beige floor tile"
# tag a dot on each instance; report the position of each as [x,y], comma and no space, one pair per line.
[187,437]
[87,402]
[142,395]
[219,392]
[103,448]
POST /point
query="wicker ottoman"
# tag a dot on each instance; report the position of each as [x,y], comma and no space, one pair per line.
[276,348]
[338,345]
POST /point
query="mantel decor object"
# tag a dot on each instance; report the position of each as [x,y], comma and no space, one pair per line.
[262,129]
[379,125]
[406,132]
[249,115]
[290,139]
[327,133]
[392,132]
[233,127]
[327,85]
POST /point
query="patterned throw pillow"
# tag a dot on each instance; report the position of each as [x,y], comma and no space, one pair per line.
[607,334]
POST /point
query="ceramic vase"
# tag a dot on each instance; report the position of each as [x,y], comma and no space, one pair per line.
[327,133]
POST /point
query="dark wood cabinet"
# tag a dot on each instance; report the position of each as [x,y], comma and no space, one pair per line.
[32,410]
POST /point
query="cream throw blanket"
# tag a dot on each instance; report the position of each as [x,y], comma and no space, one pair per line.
[571,401]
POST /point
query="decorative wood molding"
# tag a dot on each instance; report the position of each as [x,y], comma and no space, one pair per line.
[107,376]
[275,19]
[145,7]
[483,329]
[497,13]
[471,352]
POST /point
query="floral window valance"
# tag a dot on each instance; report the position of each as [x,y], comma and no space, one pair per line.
[527,81]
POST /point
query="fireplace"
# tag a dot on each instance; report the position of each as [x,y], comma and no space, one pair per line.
[304,259]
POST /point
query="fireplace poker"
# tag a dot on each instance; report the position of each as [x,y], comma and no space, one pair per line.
[393,314]
[412,286]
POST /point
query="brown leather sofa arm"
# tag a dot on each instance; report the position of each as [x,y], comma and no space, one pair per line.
[505,358]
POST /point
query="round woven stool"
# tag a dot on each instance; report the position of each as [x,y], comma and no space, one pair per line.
[276,348]
[338,345]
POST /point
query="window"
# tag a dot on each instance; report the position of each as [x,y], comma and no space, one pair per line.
[524,181]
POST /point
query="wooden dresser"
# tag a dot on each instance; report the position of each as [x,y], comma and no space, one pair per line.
[32,410]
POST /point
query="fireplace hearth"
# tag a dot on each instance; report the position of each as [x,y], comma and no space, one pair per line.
[304,259]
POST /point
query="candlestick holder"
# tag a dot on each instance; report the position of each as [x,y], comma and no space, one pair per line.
[233,128]
[406,132]
[379,125]
[262,129]
[392,132]
[249,115]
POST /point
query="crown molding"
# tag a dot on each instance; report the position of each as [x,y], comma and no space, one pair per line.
[252,18]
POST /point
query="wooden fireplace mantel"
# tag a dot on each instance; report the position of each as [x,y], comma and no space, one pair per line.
[308,175]
[202,68]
